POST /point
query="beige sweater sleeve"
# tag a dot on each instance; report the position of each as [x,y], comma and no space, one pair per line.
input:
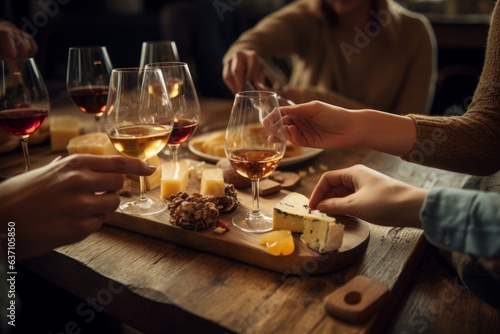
[468,143]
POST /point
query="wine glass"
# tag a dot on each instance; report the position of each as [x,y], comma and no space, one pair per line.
[87,79]
[139,121]
[158,51]
[255,143]
[185,103]
[24,100]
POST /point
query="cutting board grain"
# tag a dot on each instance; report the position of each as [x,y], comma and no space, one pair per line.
[243,246]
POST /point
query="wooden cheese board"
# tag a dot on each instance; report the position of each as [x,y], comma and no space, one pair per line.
[243,246]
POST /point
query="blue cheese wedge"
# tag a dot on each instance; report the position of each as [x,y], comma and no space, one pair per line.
[322,233]
[289,213]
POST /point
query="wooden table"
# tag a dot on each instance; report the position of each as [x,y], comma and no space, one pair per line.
[157,286]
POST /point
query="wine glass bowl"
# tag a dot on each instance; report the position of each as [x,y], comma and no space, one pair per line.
[87,79]
[255,143]
[184,100]
[24,100]
[139,121]
[158,51]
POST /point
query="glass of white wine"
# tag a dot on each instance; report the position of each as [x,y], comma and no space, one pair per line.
[139,121]
[255,143]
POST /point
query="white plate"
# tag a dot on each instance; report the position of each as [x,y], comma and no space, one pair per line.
[307,152]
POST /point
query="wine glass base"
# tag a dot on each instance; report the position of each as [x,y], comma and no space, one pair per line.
[145,207]
[253,224]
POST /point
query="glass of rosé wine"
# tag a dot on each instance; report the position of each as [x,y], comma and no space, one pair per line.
[139,121]
[255,143]
[87,79]
[185,103]
[24,100]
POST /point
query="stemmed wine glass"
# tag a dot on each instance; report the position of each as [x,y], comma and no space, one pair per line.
[158,51]
[185,103]
[24,100]
[255,143]
[139,121]
[87,79]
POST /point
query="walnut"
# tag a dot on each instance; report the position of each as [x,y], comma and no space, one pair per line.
[195,212]
[230,201]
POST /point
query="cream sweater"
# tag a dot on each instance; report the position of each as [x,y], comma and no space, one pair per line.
[469,143]
[390,64]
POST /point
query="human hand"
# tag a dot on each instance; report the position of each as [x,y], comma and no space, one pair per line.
[317,124]
[63,202]
[367,194]
[15,43]
[242,67]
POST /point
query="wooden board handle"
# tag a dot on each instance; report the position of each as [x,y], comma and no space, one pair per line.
[357,300]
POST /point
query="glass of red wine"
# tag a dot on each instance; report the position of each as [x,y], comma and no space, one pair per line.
[87,79]
[255,143]
[24,100]
[184,100]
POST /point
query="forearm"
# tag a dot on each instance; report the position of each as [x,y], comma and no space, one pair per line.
[384,132]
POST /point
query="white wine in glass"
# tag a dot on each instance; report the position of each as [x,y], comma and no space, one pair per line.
[24,100]
[139,121]
[255,143]
[185,103]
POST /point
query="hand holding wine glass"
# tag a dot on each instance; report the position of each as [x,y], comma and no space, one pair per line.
[24,100]
[255,143]
[185,103]
[139,121]
[87,79]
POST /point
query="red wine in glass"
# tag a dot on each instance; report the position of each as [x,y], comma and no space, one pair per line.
[21,122]
[91,100]
[183,129]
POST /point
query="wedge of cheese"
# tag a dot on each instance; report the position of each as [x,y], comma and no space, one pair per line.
[322,233]
[212,182]
[289,213]
[92,143]
[62,130]
[174,178]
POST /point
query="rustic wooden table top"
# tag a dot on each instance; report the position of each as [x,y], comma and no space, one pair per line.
[158,286]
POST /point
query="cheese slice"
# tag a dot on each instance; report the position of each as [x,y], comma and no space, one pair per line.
[174,178]
[289,213]
[92,143]
[322,233]
[62,130]
[212,182]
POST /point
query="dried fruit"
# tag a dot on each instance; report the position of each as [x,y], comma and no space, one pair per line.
[278,242]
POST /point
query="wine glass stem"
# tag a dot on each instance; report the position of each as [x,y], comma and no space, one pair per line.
[98,122]
[142,188]
[24,143]
[255,198]
[174,149]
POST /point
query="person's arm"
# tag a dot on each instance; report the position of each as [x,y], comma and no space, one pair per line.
[63,202]
[15,43]
[317,124]
[463,220]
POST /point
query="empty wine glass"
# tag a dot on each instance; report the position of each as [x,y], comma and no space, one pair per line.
[185,103]
[158,51]
[87,79]
[255,143]
[139,121]
[24,100]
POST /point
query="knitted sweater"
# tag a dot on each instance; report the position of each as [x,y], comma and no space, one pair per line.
[469,143]
[389,64]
